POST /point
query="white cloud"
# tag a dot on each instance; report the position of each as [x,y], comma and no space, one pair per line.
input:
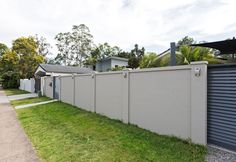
[150,23]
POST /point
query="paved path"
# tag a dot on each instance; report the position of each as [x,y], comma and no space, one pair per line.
[22,96]
[34,104]
[14,144]
[217,154]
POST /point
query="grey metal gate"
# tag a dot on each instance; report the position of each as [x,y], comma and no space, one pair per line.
[221,113]
[56,87]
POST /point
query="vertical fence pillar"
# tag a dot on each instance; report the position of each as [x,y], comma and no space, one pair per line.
[198,112]
[93,75]
[125,95]
[73,78]
[59,78]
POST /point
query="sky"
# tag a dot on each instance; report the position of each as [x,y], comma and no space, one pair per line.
[152,24]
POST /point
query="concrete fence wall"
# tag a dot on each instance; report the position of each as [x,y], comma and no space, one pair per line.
[168,100]
[27,85]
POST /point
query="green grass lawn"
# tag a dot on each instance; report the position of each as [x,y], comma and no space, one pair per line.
[29,101]
[10,92]
[61,132]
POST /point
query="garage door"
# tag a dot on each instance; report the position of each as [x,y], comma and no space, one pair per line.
[221,113]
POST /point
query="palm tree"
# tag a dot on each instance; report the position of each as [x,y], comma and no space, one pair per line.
[191,54]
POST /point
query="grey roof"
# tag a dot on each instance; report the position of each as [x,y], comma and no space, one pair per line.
[64,69]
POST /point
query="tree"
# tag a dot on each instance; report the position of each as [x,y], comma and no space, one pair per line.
[152,60]
[135,56]
[82,42]
[100,52]
[27,50]
[3,49]
[75,46]
[191,54]
[43,46]
[9,62]
[10,79]
[185,41]
[63,46]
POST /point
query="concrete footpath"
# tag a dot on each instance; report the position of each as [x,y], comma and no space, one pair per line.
[22,96]
[14,144]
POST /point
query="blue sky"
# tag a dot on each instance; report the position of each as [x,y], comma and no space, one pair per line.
[150,23]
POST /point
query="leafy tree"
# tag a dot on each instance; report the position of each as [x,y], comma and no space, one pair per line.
[185,41]
[75,46]
[63,46]
[100,52]
[165,60]
[152,60]
[10,79]
[191,54]
[27,50]
[135,56]
[82,42]
[43,46]
[9,62]
[124,54]
[3,49]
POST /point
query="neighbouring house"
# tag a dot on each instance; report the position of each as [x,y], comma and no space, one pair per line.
[56,70]
[111,62]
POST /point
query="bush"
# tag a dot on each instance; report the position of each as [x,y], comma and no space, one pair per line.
[10,80]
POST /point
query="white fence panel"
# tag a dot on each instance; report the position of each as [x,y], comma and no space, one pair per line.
[27,85]
[160,101]
[67,89]
[109,95]
[84,92]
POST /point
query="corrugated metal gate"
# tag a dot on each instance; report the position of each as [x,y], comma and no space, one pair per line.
[221,113]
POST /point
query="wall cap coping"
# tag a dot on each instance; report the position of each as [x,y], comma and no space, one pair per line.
[199,63]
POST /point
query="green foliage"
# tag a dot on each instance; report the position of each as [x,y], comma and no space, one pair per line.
[3,49]
[185,41]
[135,56]
[29,58]
[149,60]
[74,47]
[102,51]
[25,46]
[61,132]
[165,60]
[191,54]
[10,79]
[43,46]
[152,60]
[118,68]
[9,61]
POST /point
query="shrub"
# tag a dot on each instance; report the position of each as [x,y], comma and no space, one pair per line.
[10,79]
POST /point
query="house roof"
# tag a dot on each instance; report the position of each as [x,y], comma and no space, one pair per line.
[225,47]
[64,69]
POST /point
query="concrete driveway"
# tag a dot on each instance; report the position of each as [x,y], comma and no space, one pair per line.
[14,144]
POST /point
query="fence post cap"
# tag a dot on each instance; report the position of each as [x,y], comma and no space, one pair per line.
[199,63]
